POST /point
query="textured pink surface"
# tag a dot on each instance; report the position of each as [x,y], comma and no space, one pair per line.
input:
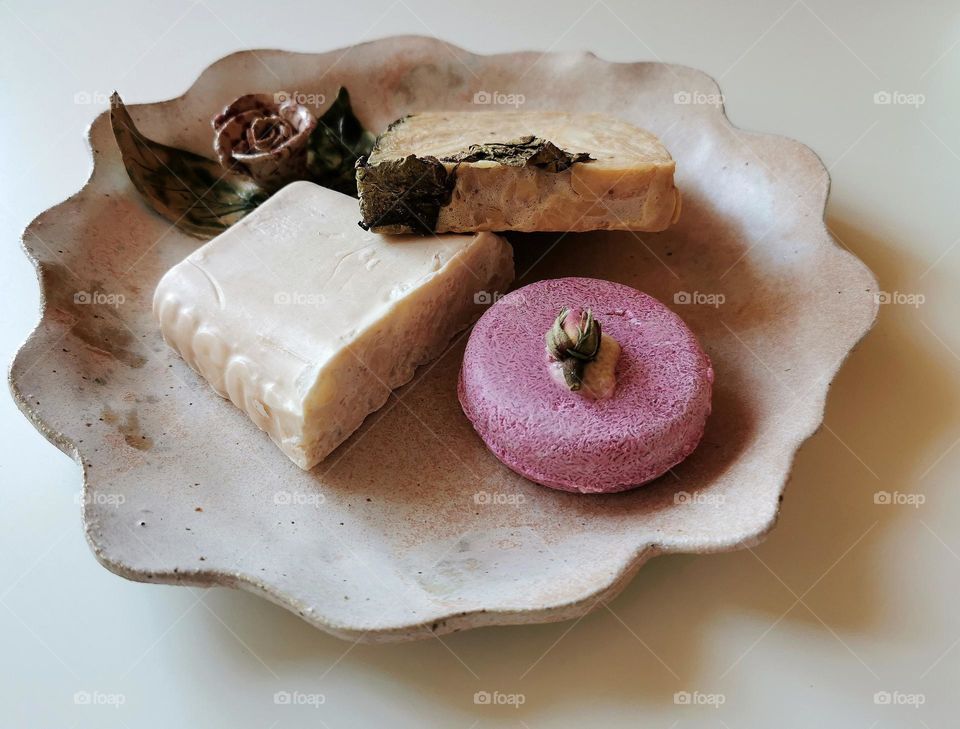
[561,438]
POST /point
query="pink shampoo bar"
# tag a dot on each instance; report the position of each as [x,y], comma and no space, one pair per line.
[564,439]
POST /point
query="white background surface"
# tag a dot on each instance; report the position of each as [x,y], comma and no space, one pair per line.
[846,598]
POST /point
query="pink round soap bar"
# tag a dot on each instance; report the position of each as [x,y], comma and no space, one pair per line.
[565,439]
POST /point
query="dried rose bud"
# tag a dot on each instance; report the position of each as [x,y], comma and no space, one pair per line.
[267,140]
[573,340]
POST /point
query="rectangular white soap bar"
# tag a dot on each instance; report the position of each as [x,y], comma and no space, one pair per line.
[306,322]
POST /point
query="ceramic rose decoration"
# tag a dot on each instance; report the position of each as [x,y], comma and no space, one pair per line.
[264,139]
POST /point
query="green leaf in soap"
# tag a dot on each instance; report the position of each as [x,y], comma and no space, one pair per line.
[195,193]
[529,150]
[404,195]
[335,146]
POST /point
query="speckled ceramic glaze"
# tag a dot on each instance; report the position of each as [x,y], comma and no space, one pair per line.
[569,440]
[412,528]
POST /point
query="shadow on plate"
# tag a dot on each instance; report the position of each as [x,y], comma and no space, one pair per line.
[649,641]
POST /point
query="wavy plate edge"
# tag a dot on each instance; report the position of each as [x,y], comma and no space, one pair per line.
[454,621]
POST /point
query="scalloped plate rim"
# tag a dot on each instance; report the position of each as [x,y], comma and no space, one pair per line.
[453,621]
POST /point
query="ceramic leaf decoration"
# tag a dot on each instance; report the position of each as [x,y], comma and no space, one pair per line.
[194,193]
[335,146]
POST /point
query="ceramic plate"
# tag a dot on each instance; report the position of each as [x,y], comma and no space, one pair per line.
[411,528]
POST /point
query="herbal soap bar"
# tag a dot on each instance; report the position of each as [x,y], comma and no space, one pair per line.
[523,171]
[306,322]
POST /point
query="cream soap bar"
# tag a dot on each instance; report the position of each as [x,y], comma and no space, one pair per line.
[306,322]
[516,170]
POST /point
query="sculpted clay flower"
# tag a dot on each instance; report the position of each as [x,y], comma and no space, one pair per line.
[267,140]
